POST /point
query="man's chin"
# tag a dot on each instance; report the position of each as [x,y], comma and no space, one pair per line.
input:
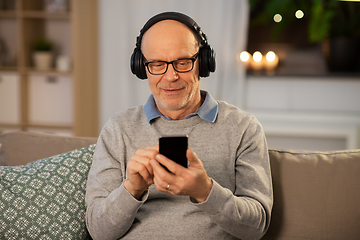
[171,106]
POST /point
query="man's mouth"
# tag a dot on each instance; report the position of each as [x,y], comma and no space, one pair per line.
[172,90]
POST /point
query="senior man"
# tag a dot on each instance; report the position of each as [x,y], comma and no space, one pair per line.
[225,192]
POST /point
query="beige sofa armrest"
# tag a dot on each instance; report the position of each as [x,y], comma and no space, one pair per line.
[20,148]
[316,195]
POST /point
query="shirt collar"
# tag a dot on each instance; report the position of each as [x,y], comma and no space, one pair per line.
[208,110]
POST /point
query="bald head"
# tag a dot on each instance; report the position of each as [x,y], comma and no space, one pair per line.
[167,37]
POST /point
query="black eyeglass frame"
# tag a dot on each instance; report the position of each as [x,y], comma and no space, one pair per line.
[193,59]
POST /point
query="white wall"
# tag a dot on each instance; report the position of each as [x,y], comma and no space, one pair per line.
[224,22]
[306,113]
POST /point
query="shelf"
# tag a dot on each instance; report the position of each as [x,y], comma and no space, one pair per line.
[9,125]
[8,69]
[50,100]
[46,15]
[7,14]
[354,75]
[51,72]
[49,126]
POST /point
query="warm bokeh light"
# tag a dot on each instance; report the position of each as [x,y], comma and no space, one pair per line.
[277,18]
[299,14]
[270,56]
[244,56]
[257,56]
[271,63]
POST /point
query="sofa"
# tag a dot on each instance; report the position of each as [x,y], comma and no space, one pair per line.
[43,179]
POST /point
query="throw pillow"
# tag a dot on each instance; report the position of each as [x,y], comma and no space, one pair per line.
[45,199]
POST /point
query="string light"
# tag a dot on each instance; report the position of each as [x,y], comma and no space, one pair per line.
[277,18]
[270,56]
[299,14]
[244,56]
[257,56]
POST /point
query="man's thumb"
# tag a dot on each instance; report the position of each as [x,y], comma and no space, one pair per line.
[192,157]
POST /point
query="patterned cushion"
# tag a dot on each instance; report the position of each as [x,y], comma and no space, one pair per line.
[45,199]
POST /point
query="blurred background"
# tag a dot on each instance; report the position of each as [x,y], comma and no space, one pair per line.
[295,65]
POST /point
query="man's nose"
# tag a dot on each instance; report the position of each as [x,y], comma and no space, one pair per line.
[171,74]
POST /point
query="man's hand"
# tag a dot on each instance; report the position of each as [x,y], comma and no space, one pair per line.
[140,171]
[192,181]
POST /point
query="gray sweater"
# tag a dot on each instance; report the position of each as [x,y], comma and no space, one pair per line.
[234,153]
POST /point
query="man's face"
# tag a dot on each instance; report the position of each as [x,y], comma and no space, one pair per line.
[176,94]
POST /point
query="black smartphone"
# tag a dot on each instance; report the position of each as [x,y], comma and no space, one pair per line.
[174,148]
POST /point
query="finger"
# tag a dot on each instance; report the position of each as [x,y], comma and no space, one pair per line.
[172,166]
[162,178]
[158,169]
[136,170]
[163,186]
[148,177]
[193,159]
[154,148]
[144,156]
[145,161]
[149,152]
[168,188]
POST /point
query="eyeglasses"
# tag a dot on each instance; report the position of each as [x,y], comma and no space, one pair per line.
[181,65]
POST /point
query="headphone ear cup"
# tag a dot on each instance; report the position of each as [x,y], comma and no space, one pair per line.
[203,70]
[137,64]
[207,61]
[212,59]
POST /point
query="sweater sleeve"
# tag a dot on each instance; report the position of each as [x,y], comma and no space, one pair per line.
[246,212]
[106,218]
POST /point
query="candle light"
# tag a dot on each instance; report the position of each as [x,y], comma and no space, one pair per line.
[257,63]
[271,62]
[245,58]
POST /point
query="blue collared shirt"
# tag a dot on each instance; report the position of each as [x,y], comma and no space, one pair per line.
[208,110]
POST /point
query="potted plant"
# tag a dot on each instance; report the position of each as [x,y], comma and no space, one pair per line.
[341,40]
[335,24]
[42,53]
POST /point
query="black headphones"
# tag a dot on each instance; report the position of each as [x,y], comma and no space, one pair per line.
[207,56]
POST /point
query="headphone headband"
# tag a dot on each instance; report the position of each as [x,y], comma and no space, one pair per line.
[188,21]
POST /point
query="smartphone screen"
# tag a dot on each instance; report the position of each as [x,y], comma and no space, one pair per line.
[174,148]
